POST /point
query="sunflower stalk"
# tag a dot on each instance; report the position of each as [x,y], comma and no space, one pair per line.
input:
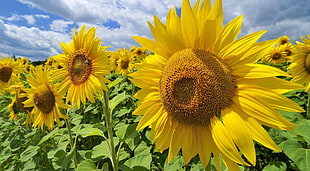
[308,107]
[72,145]
[108,120]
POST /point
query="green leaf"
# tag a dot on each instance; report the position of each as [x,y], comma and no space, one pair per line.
[126,131]
[29,165]
[29,153]
[117,100]
[279,166]
[292,116]
[89,108]
[86,132]
[48,136]
[101,150]
[113,83]
[87,165]
[295,152]
[61,147]
[175,164]
[68,159]
[140,162]
[142,149]
[303,130]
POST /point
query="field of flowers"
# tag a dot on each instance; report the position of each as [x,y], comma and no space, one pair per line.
[194,98]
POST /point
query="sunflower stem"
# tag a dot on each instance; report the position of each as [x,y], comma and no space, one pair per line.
[308,107]
[72,145]
[108,119]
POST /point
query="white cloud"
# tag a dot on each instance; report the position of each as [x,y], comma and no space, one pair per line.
[30,42]
[31,19]
[60,25]
[131,15]
[277,16]
[280,17]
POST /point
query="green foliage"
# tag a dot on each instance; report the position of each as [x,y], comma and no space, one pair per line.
[25,148]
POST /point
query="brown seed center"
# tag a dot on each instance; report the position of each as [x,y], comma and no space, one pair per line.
[44,100]
[276,56]
[124,63]
[195,86]
[79,67]
[5,74]
[20,99]
[307,62]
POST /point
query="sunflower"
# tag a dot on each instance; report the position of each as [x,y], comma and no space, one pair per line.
[300,63]
[276,55]
[139,53]
[125,62]
[85,63]
[289,49]
[114,57]
[17,101]
[283,40]
[9,72]
[44,99]
[202,92]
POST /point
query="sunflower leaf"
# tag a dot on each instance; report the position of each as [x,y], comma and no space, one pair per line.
[303,130]
[295,152]
[87,165]
[280,166]
[88,131]
[117,100]
[29,153]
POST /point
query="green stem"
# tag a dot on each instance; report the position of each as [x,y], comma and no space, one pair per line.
[108,119]
[72,145]
[308,107]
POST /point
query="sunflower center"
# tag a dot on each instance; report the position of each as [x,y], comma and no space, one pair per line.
[283,42]
[139,52]
[276,56]
[195,86]
[124,63]
[307,63]
[79,67]
[20,99]
[5,74]
[44,100]
[288,52]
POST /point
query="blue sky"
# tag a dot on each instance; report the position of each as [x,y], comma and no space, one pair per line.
[34,28]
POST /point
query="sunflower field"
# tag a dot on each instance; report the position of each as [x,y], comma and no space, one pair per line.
[196,97]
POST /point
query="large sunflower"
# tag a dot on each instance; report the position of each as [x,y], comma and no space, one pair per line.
[9,72]
[44,99]
[85,63]
[300,63]
[202,93]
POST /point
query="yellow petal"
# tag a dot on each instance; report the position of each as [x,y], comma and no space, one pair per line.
[273,99]
[257,71]
[240,134]
[261,111]
[224,142]
[260,135]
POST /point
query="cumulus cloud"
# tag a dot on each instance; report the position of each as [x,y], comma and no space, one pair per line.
[30,42]
[30,19]
[277,16]
[60,25]
[280,17]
